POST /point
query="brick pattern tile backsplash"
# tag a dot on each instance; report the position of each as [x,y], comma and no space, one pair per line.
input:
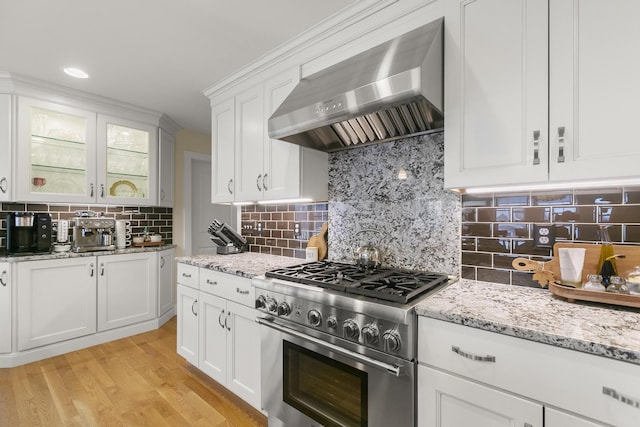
[278,227]
[498,228]
[157,219]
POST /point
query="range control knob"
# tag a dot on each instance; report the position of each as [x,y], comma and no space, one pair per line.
[351,329]
[332,322]
[392,341]
[261,302]
[284,309]
[272,305]
[370,334]
[314,317]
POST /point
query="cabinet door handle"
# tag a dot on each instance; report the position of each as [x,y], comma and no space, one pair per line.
[258,182]
[3,278]
[162,262]
[195,301]
[101,190]
[209,282]
[561,144]
[91,190]
[102,269]
[3,185]
[241,292]
[536,147]
[161,194]
[225,321]
[491,359]
[91,272]
[264,181]
[188,276]
[220,319]
[608,391]
[229,186]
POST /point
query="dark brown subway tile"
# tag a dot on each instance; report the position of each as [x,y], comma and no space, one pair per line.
[611,196]
[552,199]
[512,200]
[531,214]
[494,245]
[476,201]
[511,230]
[584,214]
[476,230]
[476,259]
[497,276]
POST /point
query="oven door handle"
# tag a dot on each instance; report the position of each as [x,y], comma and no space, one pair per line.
[392,369]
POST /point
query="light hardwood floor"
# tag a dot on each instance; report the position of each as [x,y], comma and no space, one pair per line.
[135,381]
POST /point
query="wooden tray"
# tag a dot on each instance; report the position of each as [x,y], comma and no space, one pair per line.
[549,273]
[573,295]
[144,244]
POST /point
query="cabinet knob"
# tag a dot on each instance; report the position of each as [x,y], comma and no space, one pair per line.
[3,185]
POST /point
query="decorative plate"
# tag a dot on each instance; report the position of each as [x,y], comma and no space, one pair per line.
[123,188]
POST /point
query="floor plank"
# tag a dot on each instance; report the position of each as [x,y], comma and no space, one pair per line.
[135,381]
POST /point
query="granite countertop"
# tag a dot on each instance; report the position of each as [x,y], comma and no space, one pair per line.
[63,255]
[537,315]
[246,264]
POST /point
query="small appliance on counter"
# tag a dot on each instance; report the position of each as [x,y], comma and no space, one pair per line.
[62,243]
[28,232]
[93,234]
[227,239]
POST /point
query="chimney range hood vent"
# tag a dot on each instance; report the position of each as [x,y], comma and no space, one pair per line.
[390,91]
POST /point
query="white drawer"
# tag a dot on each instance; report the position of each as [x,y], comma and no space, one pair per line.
[188,275]
[593,386]
[228,286]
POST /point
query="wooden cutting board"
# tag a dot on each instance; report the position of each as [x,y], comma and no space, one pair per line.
[320,241]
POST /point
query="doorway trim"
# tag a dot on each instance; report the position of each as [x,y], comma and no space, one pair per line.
[189,157]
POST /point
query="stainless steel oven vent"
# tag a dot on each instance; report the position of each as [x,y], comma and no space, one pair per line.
[390,91]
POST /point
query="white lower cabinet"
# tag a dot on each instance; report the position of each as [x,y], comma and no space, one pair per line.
[451,401]
[56,300]
[165,281]
[5,307]
[127,289]
[217,331]
[468,376]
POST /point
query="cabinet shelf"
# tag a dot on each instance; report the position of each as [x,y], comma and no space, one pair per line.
[124,151]
[62,169]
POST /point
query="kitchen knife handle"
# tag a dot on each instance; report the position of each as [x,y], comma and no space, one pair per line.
[229,186]
[536,147]
[258,182]
[264,181]
[561,144]
[3,185]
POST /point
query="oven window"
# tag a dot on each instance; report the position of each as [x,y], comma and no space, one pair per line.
[327,391]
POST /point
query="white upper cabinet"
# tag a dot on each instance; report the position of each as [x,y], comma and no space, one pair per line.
[127,161]
[166,171]
[56,153]
[222,151]
[540,92]
[249,166]
[5,146]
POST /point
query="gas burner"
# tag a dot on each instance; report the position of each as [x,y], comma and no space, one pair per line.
[383,283]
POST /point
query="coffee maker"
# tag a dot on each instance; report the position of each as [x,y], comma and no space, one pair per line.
[93,234]
[28,232]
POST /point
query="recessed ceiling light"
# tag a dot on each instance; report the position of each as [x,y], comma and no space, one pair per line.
[76,72]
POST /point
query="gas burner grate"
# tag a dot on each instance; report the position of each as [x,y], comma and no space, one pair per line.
[384,283]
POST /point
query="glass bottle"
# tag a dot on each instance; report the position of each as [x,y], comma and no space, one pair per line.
[594,283]
[606,256]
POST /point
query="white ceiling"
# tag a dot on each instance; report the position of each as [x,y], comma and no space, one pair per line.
[156,54]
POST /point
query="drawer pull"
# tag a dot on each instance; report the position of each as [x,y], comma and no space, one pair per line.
[209,282]
[241,292]
[188,276]
[621,397]
[487,358]
[220,319]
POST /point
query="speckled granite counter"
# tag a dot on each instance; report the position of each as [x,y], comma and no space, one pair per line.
[247,264]
[63,255]
[535,314]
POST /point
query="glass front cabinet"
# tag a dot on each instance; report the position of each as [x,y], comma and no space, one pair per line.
[71,155]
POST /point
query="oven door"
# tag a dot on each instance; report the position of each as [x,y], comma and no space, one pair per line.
[309,382]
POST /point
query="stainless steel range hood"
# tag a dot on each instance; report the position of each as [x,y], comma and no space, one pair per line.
[387,92]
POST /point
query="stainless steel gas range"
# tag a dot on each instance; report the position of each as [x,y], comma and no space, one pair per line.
[339,343]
